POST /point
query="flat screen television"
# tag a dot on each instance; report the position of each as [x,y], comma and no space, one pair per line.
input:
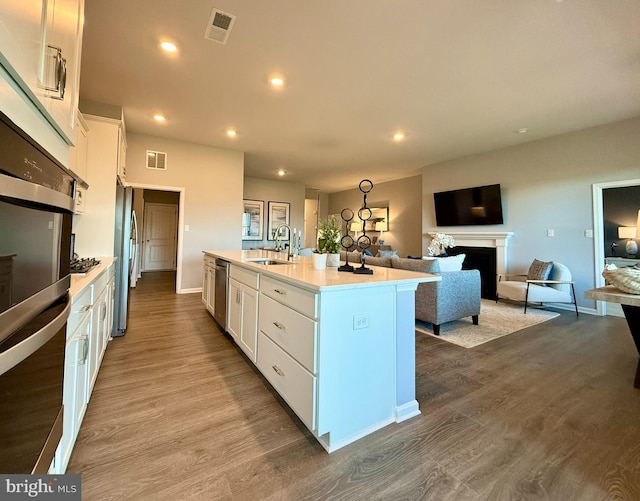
[469,206]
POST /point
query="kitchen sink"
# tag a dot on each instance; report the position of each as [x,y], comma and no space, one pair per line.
[262,260]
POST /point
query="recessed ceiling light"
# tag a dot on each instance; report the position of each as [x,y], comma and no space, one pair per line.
[232,133]
[277,81]
[399,136]
[168,46]
[282,172]
[524,130]
[159,118]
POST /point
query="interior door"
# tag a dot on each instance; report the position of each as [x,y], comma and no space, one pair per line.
[160,235]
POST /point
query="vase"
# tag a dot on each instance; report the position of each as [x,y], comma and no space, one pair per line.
[319,261]
[333,260]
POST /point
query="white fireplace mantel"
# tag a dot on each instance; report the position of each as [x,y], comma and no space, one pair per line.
[496,239]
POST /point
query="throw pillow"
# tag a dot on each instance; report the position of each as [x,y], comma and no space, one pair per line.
[539,270]
[387,253]
[450,263]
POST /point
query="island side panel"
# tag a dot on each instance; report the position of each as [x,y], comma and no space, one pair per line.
[406,403]
[357,372]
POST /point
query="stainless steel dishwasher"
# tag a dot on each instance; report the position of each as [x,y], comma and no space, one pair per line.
[222,280]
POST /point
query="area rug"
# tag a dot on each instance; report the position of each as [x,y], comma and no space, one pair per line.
[496,320]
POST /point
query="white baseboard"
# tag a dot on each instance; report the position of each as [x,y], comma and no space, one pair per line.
[190,291]
[407,411]
[349,440]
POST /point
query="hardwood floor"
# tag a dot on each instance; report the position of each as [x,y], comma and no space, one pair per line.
[178,413]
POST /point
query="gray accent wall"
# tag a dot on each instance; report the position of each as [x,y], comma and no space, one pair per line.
[546,184]
[404,199]
[213,182]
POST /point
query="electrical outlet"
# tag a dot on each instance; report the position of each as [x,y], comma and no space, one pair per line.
[551,233]
[588,233]
[360,322]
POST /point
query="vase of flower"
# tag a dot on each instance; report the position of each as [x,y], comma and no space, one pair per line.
[329,240]
[319,261]
[439,244]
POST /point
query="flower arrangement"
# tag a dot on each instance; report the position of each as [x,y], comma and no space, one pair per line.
[439,244]
[329,235]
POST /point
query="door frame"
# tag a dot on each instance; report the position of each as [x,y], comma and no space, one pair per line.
[598,230]
[181,190]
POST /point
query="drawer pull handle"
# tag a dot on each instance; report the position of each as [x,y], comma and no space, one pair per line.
[280,326]
[278,291]
[278,370]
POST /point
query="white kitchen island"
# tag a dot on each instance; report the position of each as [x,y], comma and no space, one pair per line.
[338,347]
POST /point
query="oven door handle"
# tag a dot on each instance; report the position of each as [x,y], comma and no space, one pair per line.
[16,354]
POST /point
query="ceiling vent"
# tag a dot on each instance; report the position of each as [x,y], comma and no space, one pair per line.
[156,160]
[219,27]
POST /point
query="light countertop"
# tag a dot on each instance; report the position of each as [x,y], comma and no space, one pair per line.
[301,272]
[79,282]
[611,294]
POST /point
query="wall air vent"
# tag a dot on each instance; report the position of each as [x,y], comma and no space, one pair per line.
[219,27]
[156,160]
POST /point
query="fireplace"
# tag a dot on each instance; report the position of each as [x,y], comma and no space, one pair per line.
[483,259]
[477,245]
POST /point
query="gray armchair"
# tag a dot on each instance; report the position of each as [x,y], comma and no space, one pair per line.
[456,296]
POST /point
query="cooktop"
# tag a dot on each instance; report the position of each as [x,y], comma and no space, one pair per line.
[84,265]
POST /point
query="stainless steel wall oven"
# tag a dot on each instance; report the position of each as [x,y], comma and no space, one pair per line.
[36,203]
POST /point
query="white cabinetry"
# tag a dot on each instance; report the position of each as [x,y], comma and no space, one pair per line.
[78,153]
[95,229]
[209,284]
[287,345]
[88,331]
[242,302]
[40,47]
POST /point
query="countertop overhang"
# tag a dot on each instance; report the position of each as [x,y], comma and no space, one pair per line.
[302,273]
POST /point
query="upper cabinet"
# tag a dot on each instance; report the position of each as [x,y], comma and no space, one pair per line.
[40,47]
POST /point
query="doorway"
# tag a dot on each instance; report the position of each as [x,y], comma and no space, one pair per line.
[598,241]
[160,234]
[162,255]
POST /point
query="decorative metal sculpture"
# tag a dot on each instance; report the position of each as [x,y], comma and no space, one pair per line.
[347,240]
[364,214]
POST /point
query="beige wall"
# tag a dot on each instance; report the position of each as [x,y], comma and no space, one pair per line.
[546,184]
[213,181]
[404,199]
[275,191]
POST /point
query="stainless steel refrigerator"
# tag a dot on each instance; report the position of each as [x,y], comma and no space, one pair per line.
[125,246]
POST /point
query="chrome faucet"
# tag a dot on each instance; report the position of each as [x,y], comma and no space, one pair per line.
[278,244]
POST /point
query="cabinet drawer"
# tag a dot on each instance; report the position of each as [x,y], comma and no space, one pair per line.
[244,276]
[111,272]
[299,299]
[293,332]
[209,261]
[100,284]
[80,308]
[294,384]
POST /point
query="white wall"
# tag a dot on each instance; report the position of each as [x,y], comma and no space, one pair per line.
[276,191]
[213,183]
[546,184]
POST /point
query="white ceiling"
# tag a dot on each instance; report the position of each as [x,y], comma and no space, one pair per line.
[458,76]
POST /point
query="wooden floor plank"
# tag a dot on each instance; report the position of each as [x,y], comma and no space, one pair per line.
[178,412]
